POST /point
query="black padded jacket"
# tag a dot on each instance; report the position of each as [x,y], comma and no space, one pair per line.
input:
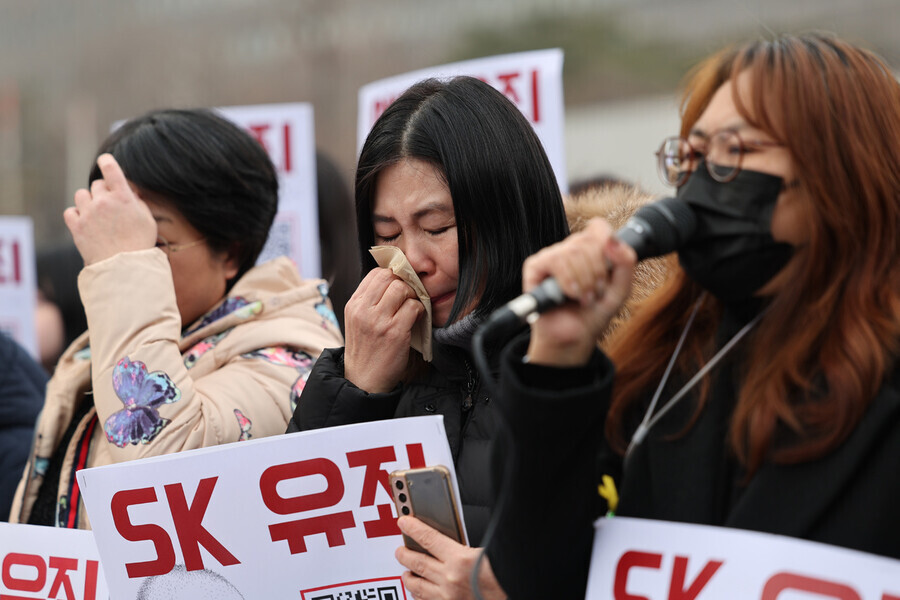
[22,383]
[543,541]
[448,386]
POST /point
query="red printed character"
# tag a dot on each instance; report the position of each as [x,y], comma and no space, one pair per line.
[10,262]
[380,106]
[29,573]
[260,132]
[187,519]
[332,525]
[510,86]
[296,531]
[507,87]
[372,459]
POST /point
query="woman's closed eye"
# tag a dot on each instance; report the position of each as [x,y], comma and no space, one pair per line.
[439,230]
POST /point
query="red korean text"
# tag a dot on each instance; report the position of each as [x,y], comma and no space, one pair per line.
[31,576]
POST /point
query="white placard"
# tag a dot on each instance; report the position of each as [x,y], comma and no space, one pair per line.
[49,562]
[18,281]
[531,80]
[295,516]
[639,559]
[287,132]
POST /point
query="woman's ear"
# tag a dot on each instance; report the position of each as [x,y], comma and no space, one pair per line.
[231,263]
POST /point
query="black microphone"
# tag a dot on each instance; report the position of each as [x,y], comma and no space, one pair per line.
[655,229]
[659,228]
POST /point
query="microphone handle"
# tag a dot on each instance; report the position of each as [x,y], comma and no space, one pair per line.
[548,294]
[655,229]
[635,233]
[545,296]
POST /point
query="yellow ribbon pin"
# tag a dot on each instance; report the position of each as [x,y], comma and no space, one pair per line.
[607,491]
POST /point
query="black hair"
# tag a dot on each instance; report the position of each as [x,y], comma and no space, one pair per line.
[337,225]
[210,170]
[58,267]
[505,195]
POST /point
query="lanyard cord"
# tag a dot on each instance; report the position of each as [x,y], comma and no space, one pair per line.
[650,419]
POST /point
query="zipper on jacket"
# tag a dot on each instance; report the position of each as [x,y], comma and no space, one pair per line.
[471,384]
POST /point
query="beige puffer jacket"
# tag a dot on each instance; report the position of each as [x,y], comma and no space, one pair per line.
[233,375]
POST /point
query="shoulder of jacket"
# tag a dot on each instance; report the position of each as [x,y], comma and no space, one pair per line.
[274,277]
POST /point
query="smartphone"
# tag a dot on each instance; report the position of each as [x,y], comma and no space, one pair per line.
[428,495]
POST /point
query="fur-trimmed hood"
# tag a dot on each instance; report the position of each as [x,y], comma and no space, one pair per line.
[616,203]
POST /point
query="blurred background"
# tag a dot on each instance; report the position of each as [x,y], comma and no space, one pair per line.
[69,69]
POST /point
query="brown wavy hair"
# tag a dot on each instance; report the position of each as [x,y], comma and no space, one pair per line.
[832,331]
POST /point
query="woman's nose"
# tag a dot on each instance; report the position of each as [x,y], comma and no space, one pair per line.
[419,258]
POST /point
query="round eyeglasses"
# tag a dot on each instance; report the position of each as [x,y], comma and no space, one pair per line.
[170,249]
[724,153]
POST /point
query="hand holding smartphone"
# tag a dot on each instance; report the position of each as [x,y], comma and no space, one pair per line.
[427,494]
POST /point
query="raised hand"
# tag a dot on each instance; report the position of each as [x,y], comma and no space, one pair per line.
[592,267]
[110,218]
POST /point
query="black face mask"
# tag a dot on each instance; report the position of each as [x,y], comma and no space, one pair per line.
[732,253]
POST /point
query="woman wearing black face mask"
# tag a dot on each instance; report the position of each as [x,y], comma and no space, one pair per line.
[781,412]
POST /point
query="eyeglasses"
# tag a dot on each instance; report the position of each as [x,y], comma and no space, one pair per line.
[677,158]
[169,249]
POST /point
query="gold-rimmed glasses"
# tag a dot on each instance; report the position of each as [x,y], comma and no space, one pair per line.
[170,249]
[723,155]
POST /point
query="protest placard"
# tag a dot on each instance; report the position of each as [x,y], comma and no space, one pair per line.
[49,562]
[286,131]
[531,80]
[306,515]
[636,559]
[18,281]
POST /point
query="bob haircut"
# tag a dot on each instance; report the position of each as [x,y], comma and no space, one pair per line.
[210,170]
[505,196]
[832,330]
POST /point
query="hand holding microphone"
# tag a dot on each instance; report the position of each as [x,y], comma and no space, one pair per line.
[594,271]
[588,275]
